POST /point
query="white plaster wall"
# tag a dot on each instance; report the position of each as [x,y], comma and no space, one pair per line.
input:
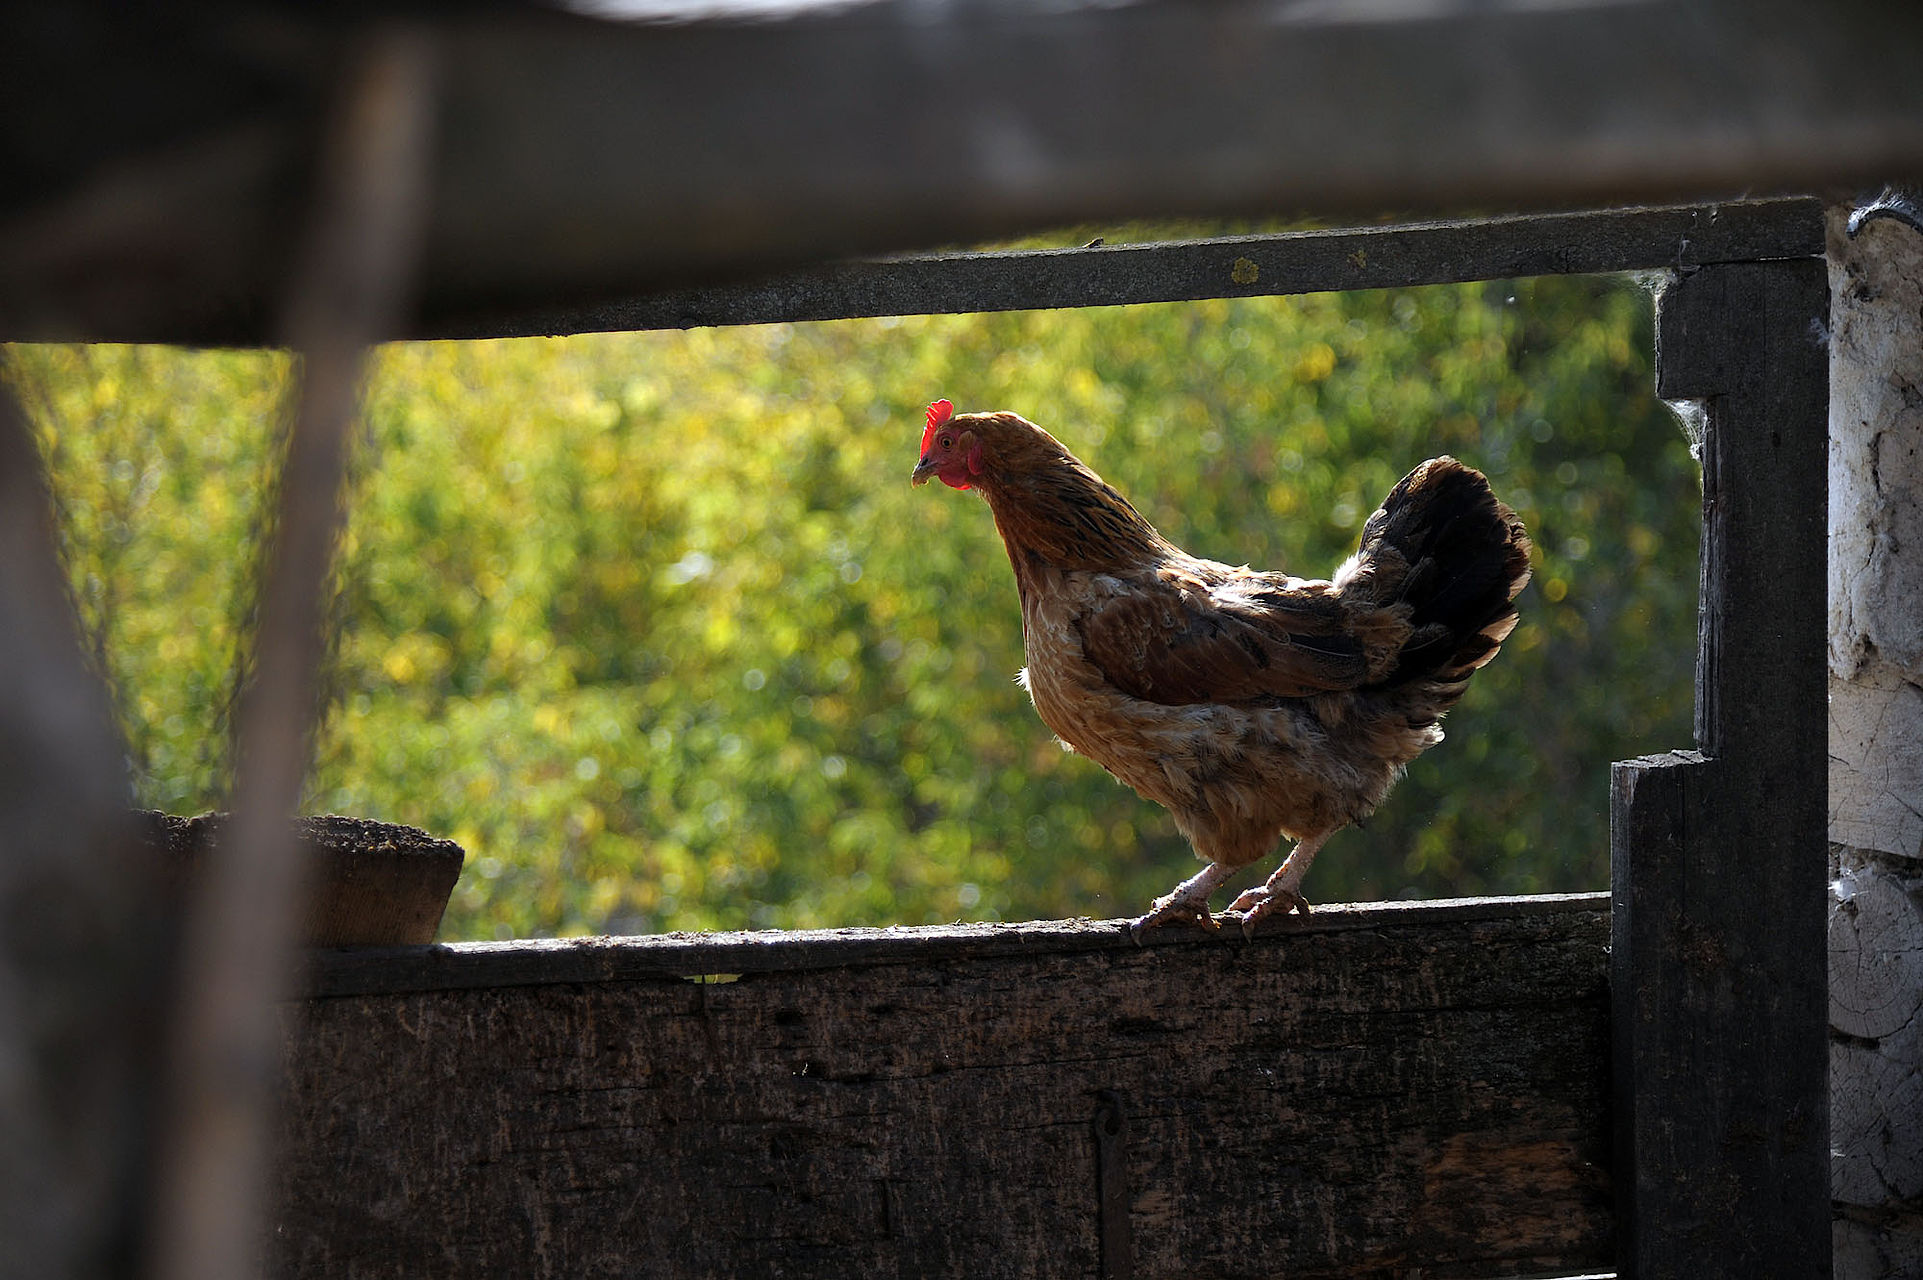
[1876,748]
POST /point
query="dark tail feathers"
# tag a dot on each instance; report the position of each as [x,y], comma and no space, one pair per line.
[1467,555]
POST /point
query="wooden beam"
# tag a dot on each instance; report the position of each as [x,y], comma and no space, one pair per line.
[1366,1092]
[1719,855]
[1678,238]
[586,160]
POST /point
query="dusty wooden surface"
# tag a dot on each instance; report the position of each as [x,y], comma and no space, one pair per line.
[1388,1089]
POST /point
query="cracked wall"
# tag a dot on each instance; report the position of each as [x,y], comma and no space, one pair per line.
[1876,747]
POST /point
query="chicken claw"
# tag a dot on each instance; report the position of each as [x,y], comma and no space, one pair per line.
[1169,907]
[1187,901]
[1283,891]
[1260,902]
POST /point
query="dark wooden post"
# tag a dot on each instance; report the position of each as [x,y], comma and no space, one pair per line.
[240,939]
[1718,854]
[81,941]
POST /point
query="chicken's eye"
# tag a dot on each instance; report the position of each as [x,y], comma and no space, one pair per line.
[948,442]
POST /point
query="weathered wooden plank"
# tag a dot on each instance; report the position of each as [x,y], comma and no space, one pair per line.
[1224,267]
[1719,856]
[1380,1093]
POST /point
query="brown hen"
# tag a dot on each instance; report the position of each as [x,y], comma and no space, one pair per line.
[1252,705]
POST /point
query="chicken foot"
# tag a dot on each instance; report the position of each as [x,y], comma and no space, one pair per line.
[1187,901]
[1283,891]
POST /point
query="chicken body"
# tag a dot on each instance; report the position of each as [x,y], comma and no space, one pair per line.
[1252,705]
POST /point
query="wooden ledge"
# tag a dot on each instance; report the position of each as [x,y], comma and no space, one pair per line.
[536,962]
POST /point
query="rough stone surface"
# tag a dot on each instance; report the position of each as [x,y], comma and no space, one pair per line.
[1876,1126]
[1876,448]
[1876,749]
[1876,1054]
[1876,952]
[1873,1245]
[1876,764]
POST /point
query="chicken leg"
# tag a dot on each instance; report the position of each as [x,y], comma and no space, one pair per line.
[1283,891]
[1187,901]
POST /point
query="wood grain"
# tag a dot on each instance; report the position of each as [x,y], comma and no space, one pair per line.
[1718,855]
[1378,1093]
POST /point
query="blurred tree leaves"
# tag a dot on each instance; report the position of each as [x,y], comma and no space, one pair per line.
[654,625]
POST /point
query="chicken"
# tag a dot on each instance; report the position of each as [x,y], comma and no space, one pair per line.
[1252,705]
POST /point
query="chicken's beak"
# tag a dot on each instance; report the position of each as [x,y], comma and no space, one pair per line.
[923,469]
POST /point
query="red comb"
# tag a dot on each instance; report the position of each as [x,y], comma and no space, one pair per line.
[938,413]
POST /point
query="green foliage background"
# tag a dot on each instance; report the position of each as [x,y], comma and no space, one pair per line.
[654,625]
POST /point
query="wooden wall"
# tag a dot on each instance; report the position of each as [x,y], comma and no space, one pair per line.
[1372,1091]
